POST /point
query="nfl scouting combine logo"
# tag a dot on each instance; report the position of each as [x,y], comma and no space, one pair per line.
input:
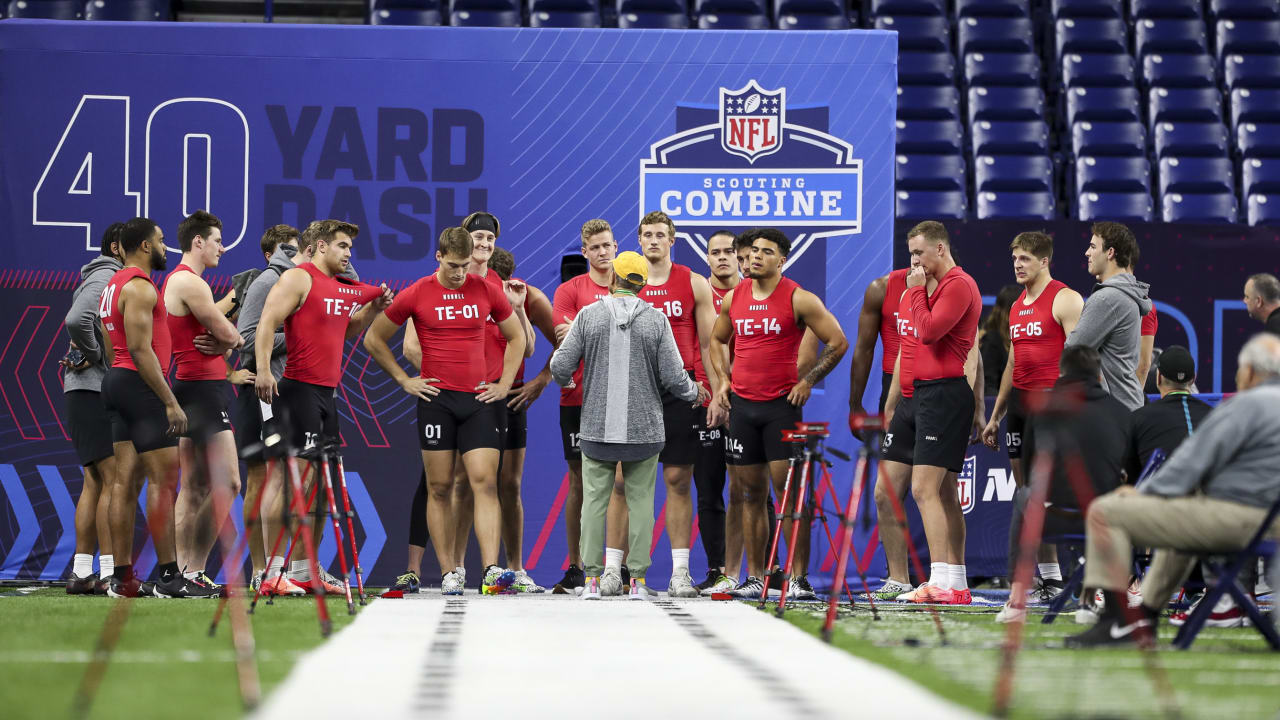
[752,161]
[965,482]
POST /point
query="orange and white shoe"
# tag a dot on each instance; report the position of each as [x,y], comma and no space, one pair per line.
[961,597]
[911,595]
[935,595]
[281,585]
[332,585]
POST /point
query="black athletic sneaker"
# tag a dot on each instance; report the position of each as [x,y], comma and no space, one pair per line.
[100,585]
[406,584]
[179,586]
[133,587]
[775,583]
[81,586]
[800,589]
[713,576]
[1117,628]
[573,578]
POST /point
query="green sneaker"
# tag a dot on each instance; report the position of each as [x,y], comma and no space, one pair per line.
[890,590]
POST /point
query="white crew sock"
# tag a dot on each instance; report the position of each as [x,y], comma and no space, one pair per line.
[939,576]
[106,565]
[1050,571]
[275,566]
[82,564]
[679,560]
[192,575]
[613,559]
[959,578]
[300,570]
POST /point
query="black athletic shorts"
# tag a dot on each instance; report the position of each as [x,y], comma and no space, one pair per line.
[205,403]
[886,382]
[136,413]
[517,434]
[570,423]
[683,422]
[90,426]
[944,420]
[899,441]
[310,414]
[755,430]
[456,420]
[1016,420]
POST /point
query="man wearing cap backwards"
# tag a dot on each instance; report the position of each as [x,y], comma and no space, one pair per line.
[629,358]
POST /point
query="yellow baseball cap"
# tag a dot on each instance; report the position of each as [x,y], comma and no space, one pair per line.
[632,267]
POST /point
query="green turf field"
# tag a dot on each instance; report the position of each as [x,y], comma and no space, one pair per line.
[166,665]
[1228,673]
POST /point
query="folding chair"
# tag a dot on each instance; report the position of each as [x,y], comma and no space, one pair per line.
[1226,574]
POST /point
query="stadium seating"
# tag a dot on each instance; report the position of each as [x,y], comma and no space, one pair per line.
[930,172]
[1189,104]
[1018,173]
[1260,175]
[994,34]
[835,8]
[1264,209]
[932,204]
[917,32]
[1196,175]
[1010,137]
[1164,8]
[1097,70]
[926,68]
[564,18]
[1258,140]
[1103,103]
[992,8]
[1108,138]
[1086,8]
[989,69]
[1091,35]
[930,137]
[929,102]
[1170,35]
[1256,106]
[1179,70]
[663,20]
[1005,103]
[1016,205]
[404,16]
[1244,9]
[908,7]
[733,21]
[1238,37]
[1199,207]
[484,18]
[1117,206]
[813,21]
[128,10]
[46,9]
[1113,174]
[1251,71]
[1186,138]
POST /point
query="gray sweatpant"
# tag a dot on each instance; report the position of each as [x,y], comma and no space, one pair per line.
[640,480]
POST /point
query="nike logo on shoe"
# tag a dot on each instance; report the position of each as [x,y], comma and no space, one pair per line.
[1119,631]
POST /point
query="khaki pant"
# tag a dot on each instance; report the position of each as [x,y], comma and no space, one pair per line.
[1178,529]
[639,480]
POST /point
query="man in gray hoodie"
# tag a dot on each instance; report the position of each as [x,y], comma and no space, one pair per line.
[1111,321]
[629,358]
[84,366]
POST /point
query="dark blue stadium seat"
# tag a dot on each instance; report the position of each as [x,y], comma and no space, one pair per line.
[1255,106]
[1010,138]
[1007,69]
[1016,205]
[404,4]
[1097,70]
[1264,209]
[1251,71]
[1108,138]
[929,102]
[1193,104]
[1244,9]
[1116,206]
[1086,8]
[930,137]
[813,21]
[930,172]
[994,34]
[733,21]
[747,7]
[563,5]
[1103,103]
[918,32]
[926,68]
[564,19]
[1199,207]
[128,10]
[932,204]
[1170,35]
[1260,175]
[1196,175]
[1164,8]
[47,9]
[404,16]
[1258,140]
[1179,70]
[992,8]
[1113,174]
[484,18]
[1013,173]
[652,6]
[1183,139]
[1091,35]
[1006,103]
[908,7]
[661,20]
[1238,37]
[811,7]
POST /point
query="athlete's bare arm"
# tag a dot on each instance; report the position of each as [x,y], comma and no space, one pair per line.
[991,433]
[1067,306]
[864,349]
[225,304]
[541,316]
[812,314]
[807,355]
[376,343]
[721,334]
[1146,344]
[513,331]
[516,292]
[137,299]
[361,319]
[412,349]
[895,390]
[286,296]
[704,310]
[194,294]
[974,374]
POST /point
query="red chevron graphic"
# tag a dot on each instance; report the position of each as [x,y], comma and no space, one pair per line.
[40,372]
[44,310]
[549,524]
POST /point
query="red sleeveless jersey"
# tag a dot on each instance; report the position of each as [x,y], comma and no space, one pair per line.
[889,333]
[573,295]
[109,311]
[1037,339]
[316,333]
[700,372]
[945,323]
[767,342]
[1150,322]
[450,323]
[674,298]
[183,329]
[495,342]
[717,296]
[908,345]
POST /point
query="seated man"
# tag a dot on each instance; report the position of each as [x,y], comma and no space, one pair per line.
[1086,422]
[1210,496]
[1165,423]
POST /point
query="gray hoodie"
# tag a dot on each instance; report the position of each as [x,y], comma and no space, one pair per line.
[1111,323]
[82,324]
[629,357]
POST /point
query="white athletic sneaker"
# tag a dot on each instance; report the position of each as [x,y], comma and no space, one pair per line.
[750,588]
[610,583]
[799,589]
[591,591]
[1090,609]
[725,584]
[452,584]
[681,585]
[525,584]
[1009,614]
[462,575]
[640,590]
[891,589]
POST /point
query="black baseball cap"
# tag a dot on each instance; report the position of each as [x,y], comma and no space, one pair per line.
[1176,364]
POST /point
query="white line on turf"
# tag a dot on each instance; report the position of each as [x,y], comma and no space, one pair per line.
[548,655]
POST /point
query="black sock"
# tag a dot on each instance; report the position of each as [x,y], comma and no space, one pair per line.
[123,573]
[168,570]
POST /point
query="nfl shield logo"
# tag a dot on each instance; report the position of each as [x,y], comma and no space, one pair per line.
[965,483]
[751,120]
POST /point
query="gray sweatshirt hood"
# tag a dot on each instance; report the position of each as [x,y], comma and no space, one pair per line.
[1131,286]
[82,323]
[625,309]
[282,258]
[102,262]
